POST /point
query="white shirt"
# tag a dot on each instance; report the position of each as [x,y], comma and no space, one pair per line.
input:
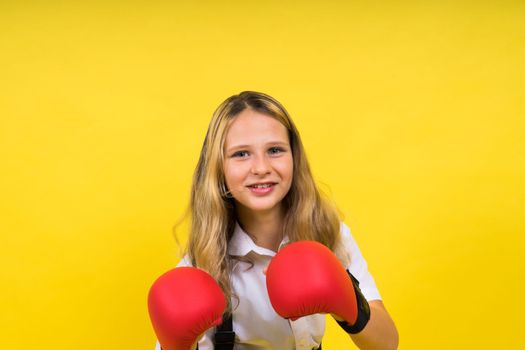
[256,324]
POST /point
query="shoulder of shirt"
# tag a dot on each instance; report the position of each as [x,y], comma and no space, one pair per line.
[344,227]
[345,231]
[185,261]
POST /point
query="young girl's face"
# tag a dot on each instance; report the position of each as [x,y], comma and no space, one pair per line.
[258,163]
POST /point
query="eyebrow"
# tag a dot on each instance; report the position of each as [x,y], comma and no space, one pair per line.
[277,143]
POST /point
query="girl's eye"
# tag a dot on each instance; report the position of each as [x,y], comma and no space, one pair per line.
[276,150]
[240,154]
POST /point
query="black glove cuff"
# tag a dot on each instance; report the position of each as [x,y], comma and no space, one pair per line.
[363,310]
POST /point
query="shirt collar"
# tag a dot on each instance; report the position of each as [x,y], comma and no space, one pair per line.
[241,244]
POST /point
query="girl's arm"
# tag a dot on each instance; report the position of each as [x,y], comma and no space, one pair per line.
[380,332]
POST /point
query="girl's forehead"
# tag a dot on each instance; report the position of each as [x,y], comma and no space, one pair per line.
[252,127]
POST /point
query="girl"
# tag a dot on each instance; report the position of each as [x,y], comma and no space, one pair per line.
[253,193]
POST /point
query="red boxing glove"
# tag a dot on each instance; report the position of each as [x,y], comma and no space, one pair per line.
[183,303]
[306,278]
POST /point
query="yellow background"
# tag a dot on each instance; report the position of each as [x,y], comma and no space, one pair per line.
[412,114]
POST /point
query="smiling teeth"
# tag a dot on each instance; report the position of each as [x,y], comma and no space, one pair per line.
[262,186]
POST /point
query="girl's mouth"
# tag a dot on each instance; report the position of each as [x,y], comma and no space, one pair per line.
[261,189]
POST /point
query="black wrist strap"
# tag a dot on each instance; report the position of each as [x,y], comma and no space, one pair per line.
[363,310]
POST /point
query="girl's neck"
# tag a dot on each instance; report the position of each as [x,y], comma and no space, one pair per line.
[265,228]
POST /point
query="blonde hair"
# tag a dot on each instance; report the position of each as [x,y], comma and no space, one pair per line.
[309,215]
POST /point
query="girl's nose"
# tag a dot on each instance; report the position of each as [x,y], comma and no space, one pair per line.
[260,165]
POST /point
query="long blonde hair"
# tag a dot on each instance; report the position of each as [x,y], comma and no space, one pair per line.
[309,216]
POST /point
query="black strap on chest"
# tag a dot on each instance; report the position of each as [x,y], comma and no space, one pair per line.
[224,334]
[224,337]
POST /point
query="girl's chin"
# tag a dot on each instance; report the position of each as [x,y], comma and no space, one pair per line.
[260,207]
